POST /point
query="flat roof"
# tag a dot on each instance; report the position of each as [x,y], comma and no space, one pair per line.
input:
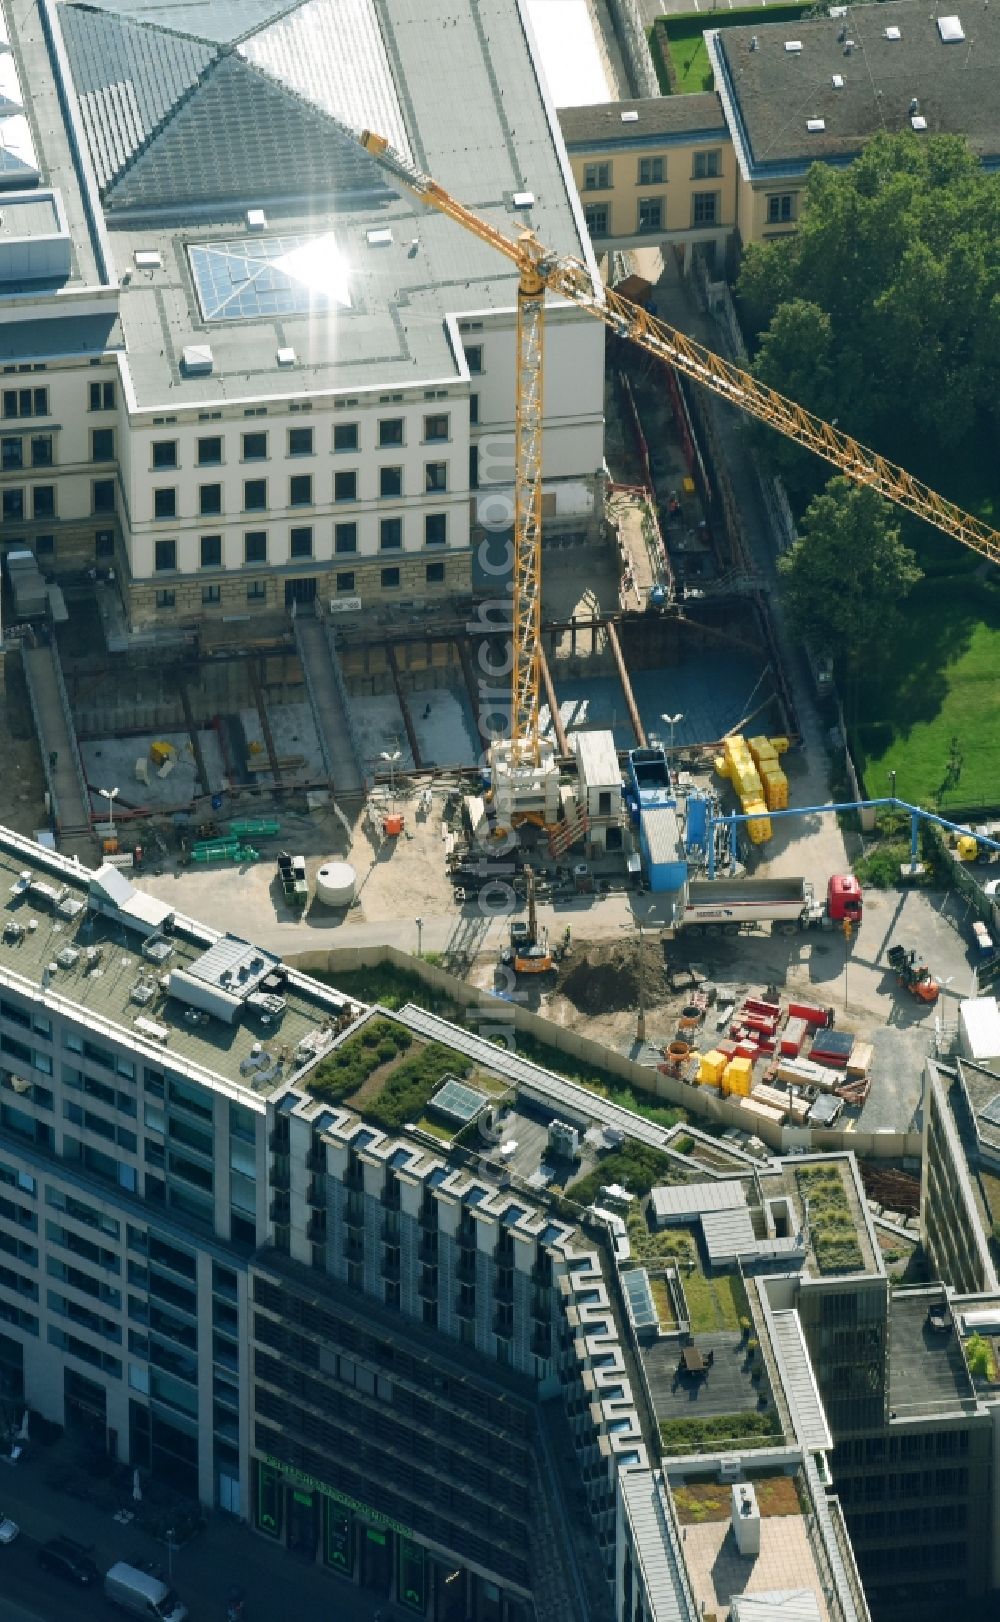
[188,118]
[927,1368]
[34,933]
[656,118]
[775,93]
[786,1563]
[598,759]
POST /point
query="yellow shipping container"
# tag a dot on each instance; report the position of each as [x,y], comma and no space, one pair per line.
[775,790]
[779,745]
[722,766]
[747,783]
[711,1068]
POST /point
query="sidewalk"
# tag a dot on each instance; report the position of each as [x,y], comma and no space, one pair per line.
[227,1552]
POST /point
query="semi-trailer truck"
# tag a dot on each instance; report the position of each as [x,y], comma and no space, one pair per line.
[726,906]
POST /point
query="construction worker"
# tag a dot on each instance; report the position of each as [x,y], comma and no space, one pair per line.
[848,928]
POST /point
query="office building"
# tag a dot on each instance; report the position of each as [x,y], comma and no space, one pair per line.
[241,371]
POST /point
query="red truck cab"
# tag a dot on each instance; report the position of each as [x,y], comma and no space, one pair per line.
[843,898]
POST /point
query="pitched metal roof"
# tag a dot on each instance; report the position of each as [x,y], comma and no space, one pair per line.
[795,1368]
[217,21]
[656,1547]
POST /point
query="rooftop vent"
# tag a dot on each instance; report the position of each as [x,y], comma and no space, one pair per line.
[286,357]
[914,106]
[838,81]
[951,30]
[525,199]
[893,32]
[631,117]
[815,126]
[197,359]
[379,238]
[848,47]
[256,219]
[918,121]
[148,259]
[838,11]
[793,46]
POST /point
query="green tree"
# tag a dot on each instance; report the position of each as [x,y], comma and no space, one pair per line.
[796,358]
[900,251]
[844,579]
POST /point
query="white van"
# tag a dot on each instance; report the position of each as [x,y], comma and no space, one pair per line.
[136,1591]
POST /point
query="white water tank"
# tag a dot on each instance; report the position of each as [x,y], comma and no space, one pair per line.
[335,884]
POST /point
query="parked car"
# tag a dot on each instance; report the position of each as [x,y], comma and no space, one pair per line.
[8,1529]
[67,1559]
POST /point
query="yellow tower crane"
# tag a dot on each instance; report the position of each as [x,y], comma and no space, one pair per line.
[540,270]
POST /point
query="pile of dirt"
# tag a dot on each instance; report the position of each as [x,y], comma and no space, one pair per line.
[604,978]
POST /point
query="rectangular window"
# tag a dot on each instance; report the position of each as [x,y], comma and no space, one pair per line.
[345,539]
[597,219]
[390,534]
[255,546]
[597,177]
[210,451]
[165,556]
[473,467]
[780,207]
[435,476]
[300,542]
[434,574]
[345,486]
[390,431]
[102,444]
[103,491]
[211,551]
[13,506]
[210,500]
[705,208]
[254,447]
[41,449]
[390,482]
[435,529]
[437,426]
[390,579]
[345,581]
[300,490]
[166,599]
[104,543]
[474,409]
[651,172]
[102,396]
[11,455]
[474,358]
[255,495]
[707,165]
[43,501]
[211,595]
[257,591]
[45,546]
[25,403]
[164,453]
[345,436]
[300,441]
[165,502]
[650,214]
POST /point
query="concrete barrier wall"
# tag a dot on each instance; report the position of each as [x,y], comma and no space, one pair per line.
[499,1017]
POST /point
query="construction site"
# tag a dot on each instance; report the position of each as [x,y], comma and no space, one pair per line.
[622,739]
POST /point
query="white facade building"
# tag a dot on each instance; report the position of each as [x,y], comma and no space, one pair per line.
[238,366]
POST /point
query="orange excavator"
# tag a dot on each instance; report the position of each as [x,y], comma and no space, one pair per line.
[913,974]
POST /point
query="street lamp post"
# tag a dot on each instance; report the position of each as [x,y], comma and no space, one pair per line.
[420,929]
[111,795]
[672,721]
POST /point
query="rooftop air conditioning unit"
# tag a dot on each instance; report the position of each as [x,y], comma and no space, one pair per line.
[563,1140]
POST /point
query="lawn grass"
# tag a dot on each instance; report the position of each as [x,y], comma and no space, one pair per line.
[686,42]
[715,1303]
[661,1301]
[699,1501]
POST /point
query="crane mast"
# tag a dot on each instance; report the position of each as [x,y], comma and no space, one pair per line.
[541,270]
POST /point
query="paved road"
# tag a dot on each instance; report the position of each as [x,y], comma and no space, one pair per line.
[54,739]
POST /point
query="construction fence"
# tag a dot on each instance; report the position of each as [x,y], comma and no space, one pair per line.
[498,1017]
